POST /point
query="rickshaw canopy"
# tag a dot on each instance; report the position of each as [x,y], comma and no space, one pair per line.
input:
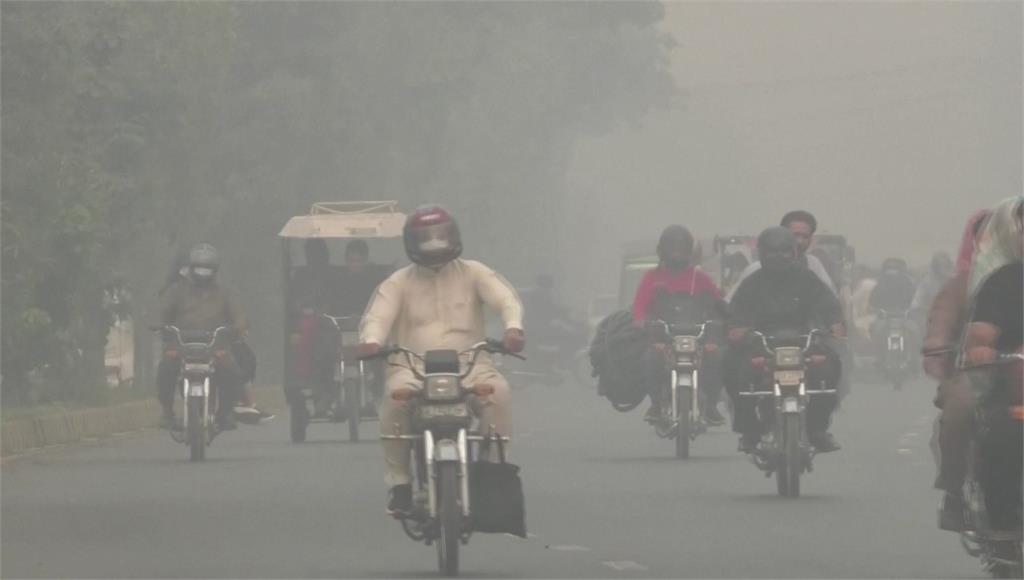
[347,219]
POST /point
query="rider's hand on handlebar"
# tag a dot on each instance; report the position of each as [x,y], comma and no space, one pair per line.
[368,349]
[981,355]
[514,340]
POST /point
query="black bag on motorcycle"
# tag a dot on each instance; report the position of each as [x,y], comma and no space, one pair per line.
[496,500]
[621,361]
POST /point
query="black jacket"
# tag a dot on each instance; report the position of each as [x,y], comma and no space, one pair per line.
[796,300]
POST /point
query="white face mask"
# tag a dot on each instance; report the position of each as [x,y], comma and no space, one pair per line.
[203,272]
[434,245]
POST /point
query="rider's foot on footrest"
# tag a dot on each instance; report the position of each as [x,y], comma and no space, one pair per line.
[951,514]
[400,500]
[713,417]
[748,443]
[824,442]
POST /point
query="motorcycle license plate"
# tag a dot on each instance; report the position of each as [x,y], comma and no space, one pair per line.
[790,405]
[456,411]
[685,380]
[196,390]
[789,378]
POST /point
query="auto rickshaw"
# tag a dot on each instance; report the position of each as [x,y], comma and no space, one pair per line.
[638,258]
[836,255]
[313,336]
[734,254]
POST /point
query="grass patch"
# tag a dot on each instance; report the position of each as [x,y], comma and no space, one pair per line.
[104,397]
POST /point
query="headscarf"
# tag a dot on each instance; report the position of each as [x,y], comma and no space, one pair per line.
[965,257]
[999,243]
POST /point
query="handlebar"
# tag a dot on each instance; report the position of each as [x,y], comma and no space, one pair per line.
[667,327]
[176,332]
[809,338]
[1001,359]
[490,345]
[338,320]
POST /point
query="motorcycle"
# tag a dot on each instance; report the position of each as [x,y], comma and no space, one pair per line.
[785,451]
[199,354]
[347,399]
[445,443]
[897,364]
[992,490]
[680,418]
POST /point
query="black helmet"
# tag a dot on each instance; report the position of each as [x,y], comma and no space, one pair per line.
[675,247]
[777,248]
[203,262]
[432,236]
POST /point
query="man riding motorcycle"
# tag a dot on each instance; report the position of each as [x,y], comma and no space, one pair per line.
[802,225]
[437,303]
[893,294]
[197,303]
[678,292]
[993,324]
[782,297]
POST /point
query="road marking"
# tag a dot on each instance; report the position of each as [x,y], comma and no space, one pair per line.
[625,565]
[568,548]
[904,451]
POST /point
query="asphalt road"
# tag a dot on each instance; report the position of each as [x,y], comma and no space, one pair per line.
[605,498]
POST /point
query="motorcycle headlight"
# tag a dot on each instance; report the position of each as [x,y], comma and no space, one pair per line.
[789,356]
[442,388]
[685,344]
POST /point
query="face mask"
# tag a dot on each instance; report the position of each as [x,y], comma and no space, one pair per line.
[202,276]
[434,245]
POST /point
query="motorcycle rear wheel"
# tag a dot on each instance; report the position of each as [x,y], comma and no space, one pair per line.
[299,420]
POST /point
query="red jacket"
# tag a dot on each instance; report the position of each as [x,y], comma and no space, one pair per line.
[691,281]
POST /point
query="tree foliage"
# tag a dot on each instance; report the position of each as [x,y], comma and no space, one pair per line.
[131,129]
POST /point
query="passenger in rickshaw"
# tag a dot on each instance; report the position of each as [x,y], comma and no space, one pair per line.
[315,292]
[358,280]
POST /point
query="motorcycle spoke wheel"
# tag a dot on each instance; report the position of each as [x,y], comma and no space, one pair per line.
[449,514]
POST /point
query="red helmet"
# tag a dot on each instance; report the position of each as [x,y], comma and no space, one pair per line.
[432,236]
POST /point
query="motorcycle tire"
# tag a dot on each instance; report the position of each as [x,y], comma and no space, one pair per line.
[449,515]
[196,429]
[685,402]
[787,476]
[353,409]
[299,421]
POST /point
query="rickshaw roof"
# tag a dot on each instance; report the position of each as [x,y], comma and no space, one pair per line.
[347,219]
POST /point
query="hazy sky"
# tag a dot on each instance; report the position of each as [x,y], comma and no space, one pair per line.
[890,121]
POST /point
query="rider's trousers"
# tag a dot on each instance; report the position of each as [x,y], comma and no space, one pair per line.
[396,416]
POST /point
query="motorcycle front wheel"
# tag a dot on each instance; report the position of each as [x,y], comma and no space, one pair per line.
[353,408]
[449,515]
[787,475]
[196,429]
[683,417]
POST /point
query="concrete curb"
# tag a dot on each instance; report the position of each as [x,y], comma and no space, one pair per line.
[20,435]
